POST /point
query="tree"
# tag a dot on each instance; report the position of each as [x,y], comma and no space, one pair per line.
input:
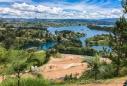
[97,67]
[21,63]
[124,5]
[8,42]
[59,39]
[56,32]
[118,42]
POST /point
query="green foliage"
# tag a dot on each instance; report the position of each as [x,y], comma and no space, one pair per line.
[2,28]
[8,42]
[56,55]
[70,78]
[39,57]
[69,34]
[98,40]
[98,68]
[74,47]
[18,61]
[124,5]
[118,44]
[94,27]
[27,82]
[1,47]
[9,37]
[47,57]
[65,35]
[4,57]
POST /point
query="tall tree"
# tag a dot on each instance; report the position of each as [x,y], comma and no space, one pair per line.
[118,43]
[118,40]
[22,62]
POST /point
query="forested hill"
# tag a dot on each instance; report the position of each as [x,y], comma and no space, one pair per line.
[95,21]
[110,19]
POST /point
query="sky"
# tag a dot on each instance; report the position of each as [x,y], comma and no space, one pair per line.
[61,9]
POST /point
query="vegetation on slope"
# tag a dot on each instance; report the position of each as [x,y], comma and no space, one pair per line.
[74,46]
[98,40]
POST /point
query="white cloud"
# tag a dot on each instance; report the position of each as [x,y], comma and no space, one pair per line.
[15,0]
[80,11]
[23,6]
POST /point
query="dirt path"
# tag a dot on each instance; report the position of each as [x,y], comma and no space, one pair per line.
[109,82]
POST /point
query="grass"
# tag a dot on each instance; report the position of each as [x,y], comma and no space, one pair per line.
[27,82]
[40,55]
[56,55]
[40,81]
[45,82]
[2,28]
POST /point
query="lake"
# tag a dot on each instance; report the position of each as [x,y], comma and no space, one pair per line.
[81,29]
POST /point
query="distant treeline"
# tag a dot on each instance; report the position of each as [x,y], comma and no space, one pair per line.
[23,23]
[104,28]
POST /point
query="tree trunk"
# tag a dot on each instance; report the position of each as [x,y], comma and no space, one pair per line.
[117,73]
[18,78]
[5,65]
[118,66]
[95,77]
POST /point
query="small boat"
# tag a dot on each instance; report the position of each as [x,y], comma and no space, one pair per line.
[81,29]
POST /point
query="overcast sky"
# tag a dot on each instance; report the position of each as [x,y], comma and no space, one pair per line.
[61,9]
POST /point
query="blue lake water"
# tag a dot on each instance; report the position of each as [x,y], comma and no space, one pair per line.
[45,46]
[100,47]
[81,29]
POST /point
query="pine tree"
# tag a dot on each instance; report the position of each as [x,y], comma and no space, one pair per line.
[118,40]
[118,43]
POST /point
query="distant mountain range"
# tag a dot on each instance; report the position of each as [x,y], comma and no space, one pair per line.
[110,19]
[62,20]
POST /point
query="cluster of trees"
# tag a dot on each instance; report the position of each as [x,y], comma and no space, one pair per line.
[94,27]
[74,47]
[98,40]
[69,33]
[10,37]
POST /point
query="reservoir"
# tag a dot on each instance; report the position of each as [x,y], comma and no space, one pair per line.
[81,29]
